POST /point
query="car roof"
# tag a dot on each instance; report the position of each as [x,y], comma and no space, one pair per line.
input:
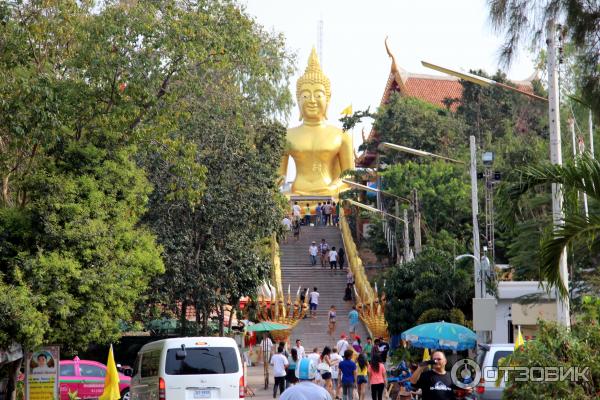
[174,343]
[497,346]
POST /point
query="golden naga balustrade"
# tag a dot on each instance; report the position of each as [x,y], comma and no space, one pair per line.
[272,302]
[369,303]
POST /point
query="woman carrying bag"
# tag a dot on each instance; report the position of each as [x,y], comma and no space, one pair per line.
[324,368]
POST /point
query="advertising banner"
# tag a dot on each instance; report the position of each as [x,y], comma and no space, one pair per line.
[41,373]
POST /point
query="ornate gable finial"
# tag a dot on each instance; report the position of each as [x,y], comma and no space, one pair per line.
[394,65]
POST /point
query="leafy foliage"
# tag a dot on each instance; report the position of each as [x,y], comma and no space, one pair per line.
[577,230]
[216,248]
[417,124]
[444,196]
[425,288]
[557,347]
[88,92]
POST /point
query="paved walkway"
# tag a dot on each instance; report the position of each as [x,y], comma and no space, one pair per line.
[256,381]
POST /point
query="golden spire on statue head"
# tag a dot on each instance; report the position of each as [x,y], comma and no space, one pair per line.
[314,74]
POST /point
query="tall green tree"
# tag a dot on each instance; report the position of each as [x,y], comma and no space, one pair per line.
[429,287]
[522,21]
[216,246]
[87,91]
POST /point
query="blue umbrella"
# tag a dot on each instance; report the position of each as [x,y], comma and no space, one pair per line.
[441,335]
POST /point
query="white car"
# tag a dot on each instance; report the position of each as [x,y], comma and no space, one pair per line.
[488,356]
[191,368]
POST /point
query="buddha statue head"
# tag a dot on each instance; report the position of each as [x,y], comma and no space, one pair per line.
[313,91]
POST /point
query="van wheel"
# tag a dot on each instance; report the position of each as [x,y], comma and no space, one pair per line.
[125,395]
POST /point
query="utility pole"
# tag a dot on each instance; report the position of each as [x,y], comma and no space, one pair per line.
[475,211]
[416,222]
[562,305]
[489,212]
[396,231]
[406,235]
[591,127]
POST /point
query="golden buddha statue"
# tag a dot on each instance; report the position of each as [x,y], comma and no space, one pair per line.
[321,152]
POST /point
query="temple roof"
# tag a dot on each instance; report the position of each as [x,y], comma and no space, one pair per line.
[433,89]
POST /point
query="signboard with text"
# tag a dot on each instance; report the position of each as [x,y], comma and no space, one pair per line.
[41,373]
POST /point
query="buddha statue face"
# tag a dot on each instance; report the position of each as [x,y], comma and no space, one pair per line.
[313,91]
[312,101]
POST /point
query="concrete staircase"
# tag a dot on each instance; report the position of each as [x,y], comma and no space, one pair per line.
[297,271]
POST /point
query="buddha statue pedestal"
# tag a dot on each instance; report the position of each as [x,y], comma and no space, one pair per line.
[321,152]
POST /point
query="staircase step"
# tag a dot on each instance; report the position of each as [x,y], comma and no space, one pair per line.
[297,271]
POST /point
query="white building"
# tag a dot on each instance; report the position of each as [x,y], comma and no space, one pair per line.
[510,313]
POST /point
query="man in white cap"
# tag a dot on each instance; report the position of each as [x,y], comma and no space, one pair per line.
[306,372]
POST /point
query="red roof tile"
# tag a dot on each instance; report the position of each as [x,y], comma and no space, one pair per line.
[434,90]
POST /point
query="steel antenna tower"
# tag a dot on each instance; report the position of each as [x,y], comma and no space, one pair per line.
[320,40]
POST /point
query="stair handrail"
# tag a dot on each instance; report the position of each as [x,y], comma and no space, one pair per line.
[371,304]
[361,282]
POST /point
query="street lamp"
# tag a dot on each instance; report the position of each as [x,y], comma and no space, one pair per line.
[479,80]
[478,278]
[374,190]
[373,209]
[488,158]
[416,152]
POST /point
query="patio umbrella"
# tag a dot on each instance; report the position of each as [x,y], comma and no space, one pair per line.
[266,326]
[441,335]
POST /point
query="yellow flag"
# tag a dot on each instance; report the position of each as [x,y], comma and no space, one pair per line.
[111,381]
[519,342]
[347,110]
[426,356]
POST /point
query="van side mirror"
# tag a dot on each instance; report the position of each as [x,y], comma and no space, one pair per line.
[128,372]
[181,354]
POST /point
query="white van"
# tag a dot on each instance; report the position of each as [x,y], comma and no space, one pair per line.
[191,368]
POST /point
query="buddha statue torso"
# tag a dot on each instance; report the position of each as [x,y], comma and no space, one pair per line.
[321,152]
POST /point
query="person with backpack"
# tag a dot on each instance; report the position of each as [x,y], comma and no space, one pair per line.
[306,372]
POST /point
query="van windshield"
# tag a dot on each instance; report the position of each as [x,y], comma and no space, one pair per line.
[202,361]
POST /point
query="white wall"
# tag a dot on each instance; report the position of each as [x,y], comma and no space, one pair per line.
[500,334]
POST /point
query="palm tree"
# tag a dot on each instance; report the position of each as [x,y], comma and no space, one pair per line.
[577,229]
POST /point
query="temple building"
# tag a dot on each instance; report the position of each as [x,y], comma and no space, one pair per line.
[434,89]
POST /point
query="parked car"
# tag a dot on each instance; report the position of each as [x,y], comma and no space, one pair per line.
[87,378]
[488,356]
[191,368]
